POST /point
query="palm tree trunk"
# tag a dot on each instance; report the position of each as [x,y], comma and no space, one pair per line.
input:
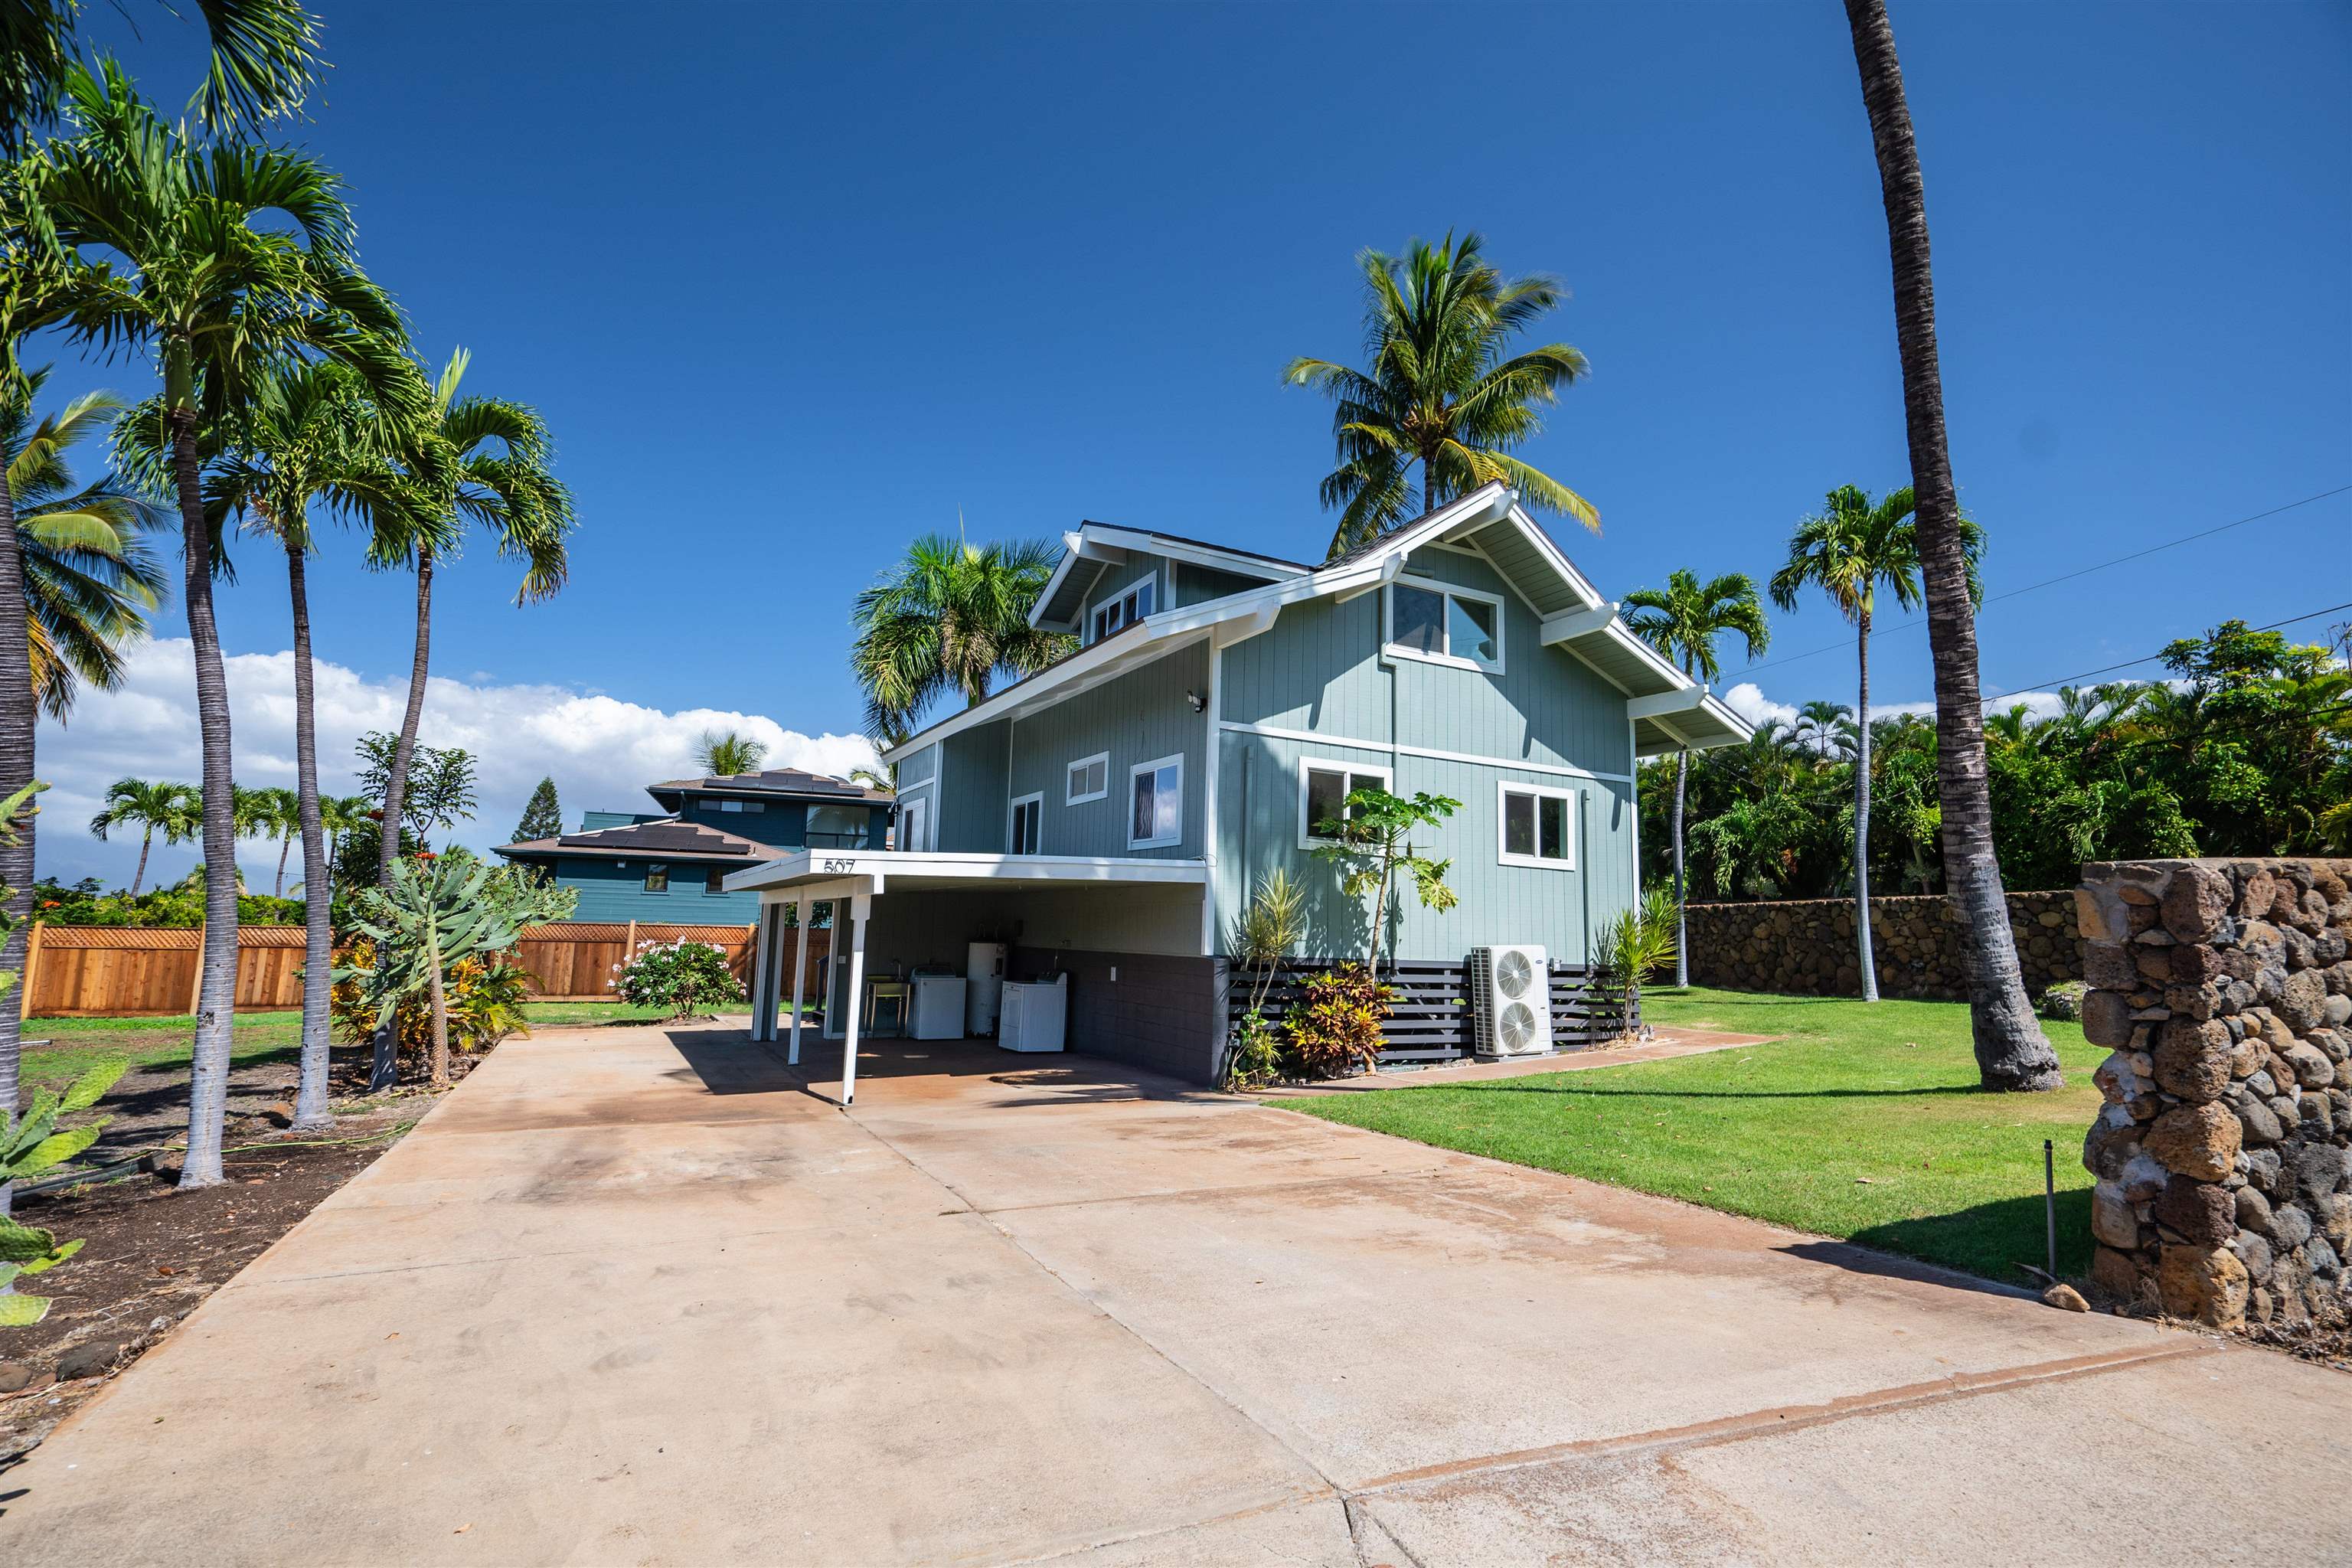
[1682,954]
[146,842]
[19,720]
[310,1111]
[2011,1051]
[277,888]
[440,1023]
[396,792]
[1867,958]
[216,988]
[385,1069]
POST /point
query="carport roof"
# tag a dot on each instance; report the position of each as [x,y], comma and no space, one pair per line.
[826,873]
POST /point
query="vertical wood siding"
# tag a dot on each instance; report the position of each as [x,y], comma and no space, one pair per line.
[971,790]
[1139,717]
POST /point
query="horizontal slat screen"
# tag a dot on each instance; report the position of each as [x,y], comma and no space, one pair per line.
[1430,1019]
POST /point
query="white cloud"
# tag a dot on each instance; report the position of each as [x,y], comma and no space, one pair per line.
[1748,700]
[602,752]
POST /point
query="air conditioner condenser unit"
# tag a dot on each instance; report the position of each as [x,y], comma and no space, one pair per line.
[1510,1001]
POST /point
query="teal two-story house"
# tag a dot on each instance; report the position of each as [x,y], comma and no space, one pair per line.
[1109,816]
[670,867]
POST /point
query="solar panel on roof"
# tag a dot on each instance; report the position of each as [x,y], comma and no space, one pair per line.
[673,836]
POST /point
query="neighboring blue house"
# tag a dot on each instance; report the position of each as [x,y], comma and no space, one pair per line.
[1111,816]
[670,867]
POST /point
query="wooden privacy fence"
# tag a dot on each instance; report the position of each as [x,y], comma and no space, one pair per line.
[1431,1019]
[84,971]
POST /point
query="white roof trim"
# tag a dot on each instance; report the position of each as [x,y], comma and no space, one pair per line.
[1144,541]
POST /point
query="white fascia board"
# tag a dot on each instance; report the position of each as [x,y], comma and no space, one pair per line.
[845,868]
[1666,703]
[1489,503]
[1577,623]
[1676,681]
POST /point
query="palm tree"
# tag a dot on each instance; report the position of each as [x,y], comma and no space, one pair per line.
[316,437]
[201,270]
[723,755]
[1850,549]
[1824,729]
[338,814]
[488,462]
[950,618]
[91,577]
[1683,622]
[264,55]
[1441,389]
[2011,1051]
[280,818]
[173,810]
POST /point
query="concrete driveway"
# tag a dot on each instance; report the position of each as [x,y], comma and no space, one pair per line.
[636,1296]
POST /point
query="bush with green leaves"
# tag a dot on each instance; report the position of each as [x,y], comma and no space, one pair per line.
[1339,1028]
[1635,944]
[1268,929]
[29,1145]
[686,977]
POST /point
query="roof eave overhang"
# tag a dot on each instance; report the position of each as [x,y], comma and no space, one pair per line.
[823,873]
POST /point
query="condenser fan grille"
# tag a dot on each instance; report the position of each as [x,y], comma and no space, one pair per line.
[1514,974]
[1516,1025]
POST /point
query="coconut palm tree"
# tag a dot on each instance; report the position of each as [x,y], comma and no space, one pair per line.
[950,617]
[1443,389]
[338,814]
[1850,549]
[488,461]
[173,810]
[1683,621]
[2011,1051]
[227,262]
[721,755]
[264,55]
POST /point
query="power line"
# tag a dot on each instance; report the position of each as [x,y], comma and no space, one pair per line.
[2069,576]
[2102,669]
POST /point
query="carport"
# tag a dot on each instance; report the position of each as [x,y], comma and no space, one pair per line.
[1146,911]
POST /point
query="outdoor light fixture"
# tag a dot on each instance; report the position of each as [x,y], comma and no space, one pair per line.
[1200,703]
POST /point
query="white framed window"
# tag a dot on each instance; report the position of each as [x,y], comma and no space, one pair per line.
[1155,793]
[656,878]
[1440,624]
[1323,784]
[1535,826]
[742,805]
[1089,779]
[1024,818]
[914,823]
[1126,610]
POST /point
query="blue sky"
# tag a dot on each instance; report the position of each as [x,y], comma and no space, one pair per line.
[795,284]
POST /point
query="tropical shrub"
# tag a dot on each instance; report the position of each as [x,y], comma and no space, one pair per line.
[1269,927]
[686,977]
[87,903]
[1337,1030]
[2064,1001]
[30,1144]
[485,997]
[1635,944]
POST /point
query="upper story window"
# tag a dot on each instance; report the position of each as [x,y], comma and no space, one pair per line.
[714,879]
[656,878]
[738,805]
[836,827]
[1445,624]
[1027,816]
[1089,779]
[1537,825]
[1124,611]
[1323,790]
[1156,791]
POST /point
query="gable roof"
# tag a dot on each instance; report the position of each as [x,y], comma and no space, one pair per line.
[786,783]
[666,838]
[1669,711]
[1095,547]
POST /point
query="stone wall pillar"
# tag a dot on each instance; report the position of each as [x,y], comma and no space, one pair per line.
[2224,1153]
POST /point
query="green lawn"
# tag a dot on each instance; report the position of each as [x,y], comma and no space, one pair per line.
[1861,1122]
[79,1044]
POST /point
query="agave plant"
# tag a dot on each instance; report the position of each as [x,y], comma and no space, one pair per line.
[30,1144]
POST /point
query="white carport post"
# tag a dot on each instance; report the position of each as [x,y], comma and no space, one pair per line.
[801,909]
[860,905]
[760,966]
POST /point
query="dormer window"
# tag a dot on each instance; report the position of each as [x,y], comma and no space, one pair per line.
[1124,611]
[1440,624]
